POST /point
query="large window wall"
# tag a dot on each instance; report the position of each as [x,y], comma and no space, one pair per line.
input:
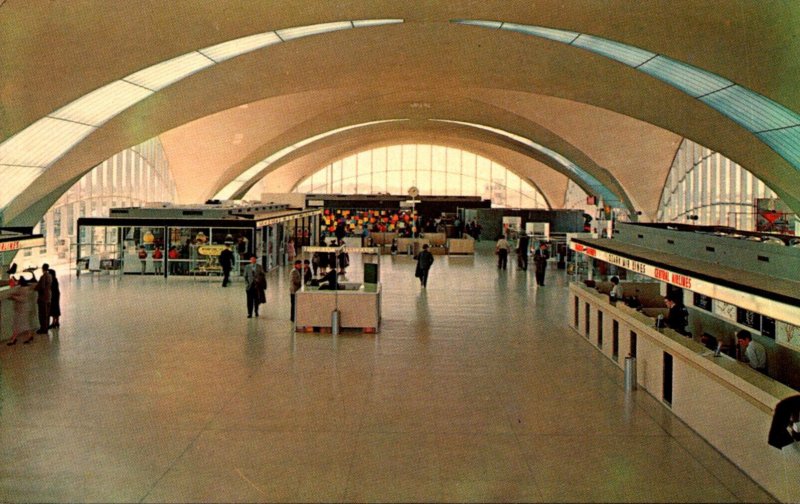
[708,185]
[432,169]
[130,178]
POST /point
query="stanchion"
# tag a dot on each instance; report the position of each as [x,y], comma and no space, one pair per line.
[335,317]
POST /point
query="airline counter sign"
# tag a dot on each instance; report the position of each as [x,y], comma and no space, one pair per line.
[636,266]
[11,246]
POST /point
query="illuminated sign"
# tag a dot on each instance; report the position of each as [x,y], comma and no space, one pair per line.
[725,299]
[10,246]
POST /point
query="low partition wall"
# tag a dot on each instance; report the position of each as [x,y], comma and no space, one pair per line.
[358,308]
[725,401]
[17,302]
[460,246]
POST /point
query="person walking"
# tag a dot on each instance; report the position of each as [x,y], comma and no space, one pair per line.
[540,263]
[226,262]
[44,295]
[55,301]
[501,249]
[158,259]
[255,285]
[424,263]
[295,282]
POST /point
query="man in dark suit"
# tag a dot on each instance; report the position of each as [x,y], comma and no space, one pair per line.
[226,262]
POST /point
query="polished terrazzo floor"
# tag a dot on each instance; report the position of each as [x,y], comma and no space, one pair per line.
[474,390]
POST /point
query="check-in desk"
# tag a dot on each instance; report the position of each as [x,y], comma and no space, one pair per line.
[9,296]
[725,401]
[359,307]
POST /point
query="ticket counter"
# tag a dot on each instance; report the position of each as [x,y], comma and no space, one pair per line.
[723,400]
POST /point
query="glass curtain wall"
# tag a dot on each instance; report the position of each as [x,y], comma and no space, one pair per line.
[432,169]
[708,185]
[132,177]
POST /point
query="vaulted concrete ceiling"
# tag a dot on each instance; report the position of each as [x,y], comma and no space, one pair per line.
[619,124]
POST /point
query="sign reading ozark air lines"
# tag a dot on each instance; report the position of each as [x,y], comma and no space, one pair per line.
[707,287]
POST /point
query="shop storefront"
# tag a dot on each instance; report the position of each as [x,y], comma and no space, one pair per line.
[170,244]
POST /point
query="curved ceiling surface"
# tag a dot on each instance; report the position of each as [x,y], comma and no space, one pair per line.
[422,63]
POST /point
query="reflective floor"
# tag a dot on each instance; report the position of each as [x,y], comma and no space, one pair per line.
[474,390]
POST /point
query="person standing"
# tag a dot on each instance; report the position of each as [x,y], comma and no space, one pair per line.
[174,256]
[44,295]
[424,263]
[290,251]
[753,352]
[226,262]
[677,316]
[501,249]
[307,276]
[540,263]
[143,258]
[158,259]
[55,300]
[295,282]
[522,251]
[253,273]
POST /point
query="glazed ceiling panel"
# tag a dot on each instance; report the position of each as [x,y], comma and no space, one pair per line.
[750,43]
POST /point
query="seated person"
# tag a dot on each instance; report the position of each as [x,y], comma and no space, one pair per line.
[678,316]
[329,281]
[752,351]
[709,341]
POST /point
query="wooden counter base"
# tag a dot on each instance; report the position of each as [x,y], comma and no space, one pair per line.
[725,401]
[359,309]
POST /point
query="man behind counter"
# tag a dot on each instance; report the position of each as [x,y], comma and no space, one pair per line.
[678,316]
[754,352]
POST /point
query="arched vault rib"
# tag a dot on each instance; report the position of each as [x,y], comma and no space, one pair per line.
[455,135]
[431,55]
[457,108]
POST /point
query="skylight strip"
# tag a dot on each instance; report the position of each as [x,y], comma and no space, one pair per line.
[624,53]
[548,33]
[755,112]
[305,31]
[785,142]
[237,47]
[364,23]
[42,142]
[689,79]
[477,22]
[14,179]
[102,104]
[163,74]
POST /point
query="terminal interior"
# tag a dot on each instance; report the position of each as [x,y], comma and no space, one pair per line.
[650,145]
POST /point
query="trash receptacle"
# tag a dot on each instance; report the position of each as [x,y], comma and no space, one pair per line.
[335,322]
[630,373]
